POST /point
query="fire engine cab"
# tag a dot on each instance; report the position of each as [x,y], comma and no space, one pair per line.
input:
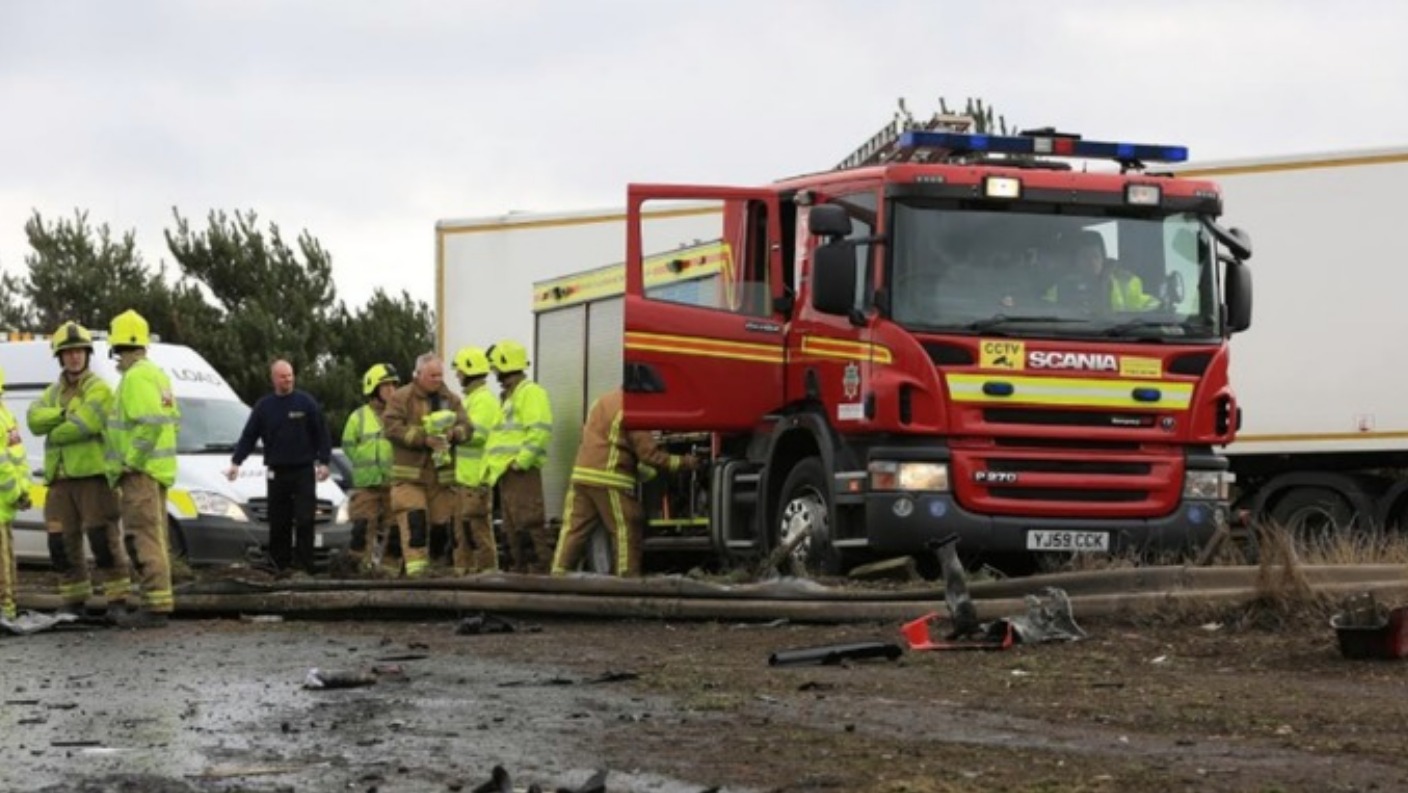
[1020,339]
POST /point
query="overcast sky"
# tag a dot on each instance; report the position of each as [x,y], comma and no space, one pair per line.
[365,122]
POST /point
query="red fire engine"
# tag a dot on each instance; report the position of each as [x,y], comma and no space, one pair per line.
[950,333]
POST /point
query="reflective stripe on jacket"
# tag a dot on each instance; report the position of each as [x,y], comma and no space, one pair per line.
[484,414]
[610,456]
[523,433]
[366,447]
[14,466]
[142,425]
[70,418]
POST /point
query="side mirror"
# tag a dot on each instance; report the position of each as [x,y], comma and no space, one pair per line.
[1238,292]
[829,220]
[834,277]
[1234,239]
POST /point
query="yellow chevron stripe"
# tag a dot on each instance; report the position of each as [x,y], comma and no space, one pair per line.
[845,349]
[704,348]
[1071,392]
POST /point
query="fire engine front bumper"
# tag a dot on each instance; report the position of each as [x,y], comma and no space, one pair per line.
[905,522]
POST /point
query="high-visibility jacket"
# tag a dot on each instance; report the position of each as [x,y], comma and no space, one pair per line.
[1124,291]
[402,422]
[70,417]
[142,425]
[14,466]
[366,446]
[610,456]
[522,435]
[484,414]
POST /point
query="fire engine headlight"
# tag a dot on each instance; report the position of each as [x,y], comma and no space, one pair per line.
[216,505]
[1208,485]
[892,475]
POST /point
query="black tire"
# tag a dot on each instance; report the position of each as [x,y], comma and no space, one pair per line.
[176,540]
[805,505]
[1313,515]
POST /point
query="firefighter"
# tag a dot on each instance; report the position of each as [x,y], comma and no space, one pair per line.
[14,496]
[69,415]
[604,478]
[141,457]
[516,457]
[475,547]
[370,454]
[1092,281]
[423,421]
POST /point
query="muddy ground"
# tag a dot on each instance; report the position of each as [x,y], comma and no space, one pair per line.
[1239,701]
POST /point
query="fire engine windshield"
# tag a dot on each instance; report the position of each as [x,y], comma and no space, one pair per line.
[954,268]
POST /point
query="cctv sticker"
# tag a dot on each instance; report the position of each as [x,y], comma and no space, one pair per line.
[1002,354]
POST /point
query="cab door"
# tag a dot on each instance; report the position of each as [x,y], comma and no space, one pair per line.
[705,313]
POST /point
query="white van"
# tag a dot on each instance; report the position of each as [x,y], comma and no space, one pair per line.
[212,520]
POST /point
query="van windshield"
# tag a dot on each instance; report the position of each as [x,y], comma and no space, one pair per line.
[210,425]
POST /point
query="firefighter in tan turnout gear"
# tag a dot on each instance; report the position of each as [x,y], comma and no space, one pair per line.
[475,547]
[517,450]
[369,452]
[70,417]
[603,487]
[424,420]
[141,456]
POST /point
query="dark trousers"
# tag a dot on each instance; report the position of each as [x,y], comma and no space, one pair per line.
[293,504]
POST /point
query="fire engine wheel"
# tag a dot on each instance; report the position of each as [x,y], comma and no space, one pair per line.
[1313,515]
[804,520]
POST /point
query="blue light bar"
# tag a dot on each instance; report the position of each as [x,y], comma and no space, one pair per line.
[959,142]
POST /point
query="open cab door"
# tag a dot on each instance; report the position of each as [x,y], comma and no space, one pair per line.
[705,308]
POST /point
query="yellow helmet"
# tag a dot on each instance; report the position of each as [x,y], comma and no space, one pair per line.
[508,356]
[71,336]
[472,362]
[378,374]
[129,329]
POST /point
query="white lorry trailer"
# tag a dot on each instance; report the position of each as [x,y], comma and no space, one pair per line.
[1324,438]
[1324,404]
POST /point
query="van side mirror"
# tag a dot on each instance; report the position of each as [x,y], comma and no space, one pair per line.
[834,278]
[1238,291]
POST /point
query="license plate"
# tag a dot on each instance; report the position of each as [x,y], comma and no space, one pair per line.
[1062,540]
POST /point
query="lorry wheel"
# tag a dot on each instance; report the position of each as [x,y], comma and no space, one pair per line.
[806,508]
[1313,515]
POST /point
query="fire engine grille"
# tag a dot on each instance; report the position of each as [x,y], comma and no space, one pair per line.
[1069,494]
[258,509]
[1113,467]
[1069,479]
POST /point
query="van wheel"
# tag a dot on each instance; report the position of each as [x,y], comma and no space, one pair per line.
[806,509]
[1313,516]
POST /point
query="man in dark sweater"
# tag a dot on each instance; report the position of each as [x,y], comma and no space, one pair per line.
[297,449]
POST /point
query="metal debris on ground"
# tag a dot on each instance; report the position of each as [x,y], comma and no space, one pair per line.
[325,678]
[483,622]
[500,781]
[835,653]
[33,622]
